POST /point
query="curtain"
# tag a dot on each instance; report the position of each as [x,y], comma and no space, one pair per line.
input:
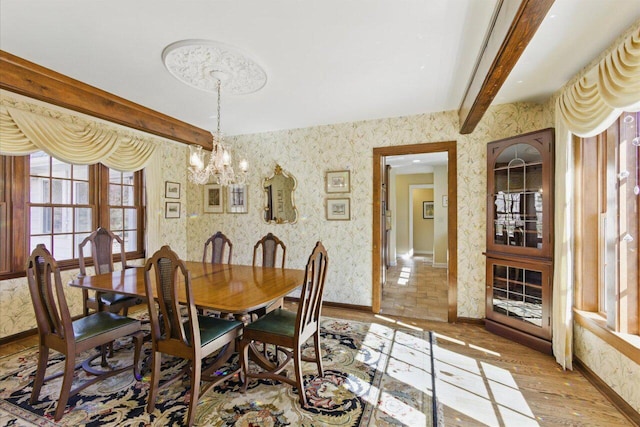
[24,132]
[586,108]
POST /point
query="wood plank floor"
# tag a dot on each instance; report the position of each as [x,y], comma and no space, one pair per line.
[499,382]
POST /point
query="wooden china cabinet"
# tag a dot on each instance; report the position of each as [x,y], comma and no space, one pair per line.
[520,238]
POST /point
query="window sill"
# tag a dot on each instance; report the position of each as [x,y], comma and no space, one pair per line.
[627,344]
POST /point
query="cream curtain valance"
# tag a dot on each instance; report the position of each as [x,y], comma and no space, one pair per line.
[23,132]
[597,99]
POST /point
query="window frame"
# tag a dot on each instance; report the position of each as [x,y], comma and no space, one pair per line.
[606,296]
[15,205]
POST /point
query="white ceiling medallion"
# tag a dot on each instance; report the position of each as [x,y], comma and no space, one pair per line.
[201,63]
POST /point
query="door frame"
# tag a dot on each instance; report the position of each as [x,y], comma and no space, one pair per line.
[379,154]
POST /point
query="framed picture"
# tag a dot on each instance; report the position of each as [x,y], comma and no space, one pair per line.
[172,210]
[172,190]
[338,182]
[237,198]
[427,210]
[213,198]
[338,209]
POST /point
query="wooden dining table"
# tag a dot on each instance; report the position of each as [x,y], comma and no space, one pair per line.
[227,288]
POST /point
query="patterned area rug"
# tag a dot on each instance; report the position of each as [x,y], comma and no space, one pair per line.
[375,375]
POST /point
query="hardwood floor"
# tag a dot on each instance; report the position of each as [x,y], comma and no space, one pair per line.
[497,382]
[415,289]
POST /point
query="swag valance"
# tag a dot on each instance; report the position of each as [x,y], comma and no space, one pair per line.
[73,141]
[592,104]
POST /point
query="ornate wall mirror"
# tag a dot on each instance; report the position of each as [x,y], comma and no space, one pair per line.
[278,190]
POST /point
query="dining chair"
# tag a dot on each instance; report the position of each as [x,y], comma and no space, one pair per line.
[219,245]
[102,242]
[192,337]
[57,331]
[290,330]
[266,249]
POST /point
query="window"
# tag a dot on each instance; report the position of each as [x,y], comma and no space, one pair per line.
[62,204]
[607,224]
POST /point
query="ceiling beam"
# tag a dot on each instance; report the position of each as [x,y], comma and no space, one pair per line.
[514,24]
[37,82]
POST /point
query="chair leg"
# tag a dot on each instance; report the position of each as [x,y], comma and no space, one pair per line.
[243,355]
[43,358]
[65,391]
[156,360]
[138,339]
[196,368]
[297,366]
[316,347]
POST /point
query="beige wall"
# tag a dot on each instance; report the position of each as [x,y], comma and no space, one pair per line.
[422,228]
[403,182]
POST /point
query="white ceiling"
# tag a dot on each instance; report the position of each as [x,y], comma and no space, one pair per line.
[329,61]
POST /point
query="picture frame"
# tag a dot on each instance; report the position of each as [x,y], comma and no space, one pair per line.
[237,198]
[172,210]
[338,181]
[338,209]
[213,198]
[427,210]
[171,190]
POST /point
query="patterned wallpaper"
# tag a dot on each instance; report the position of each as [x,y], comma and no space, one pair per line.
[308,153]
[618,371]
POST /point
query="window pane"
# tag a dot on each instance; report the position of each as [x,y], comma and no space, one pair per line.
[83,219]
[115,195]
[81,193]
[127,178]
[130,241]
[60,191]
[39,164]
[81,172]
[115,176]
[41,220]
[127,196]
[60,169]
[115,220]
[63,246]
[62,220]
[39,190]
[130,219]
[35,240]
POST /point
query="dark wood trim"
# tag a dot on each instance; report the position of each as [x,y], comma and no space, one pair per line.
[498,59]
[452,182]
[20,335]
[37,82]
[618,402]
[471,320]
[523,338]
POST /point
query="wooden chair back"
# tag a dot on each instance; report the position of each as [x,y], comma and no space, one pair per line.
[167,325]
[101,243]
[268,246]
[49,302]
[310,304]
[219,245]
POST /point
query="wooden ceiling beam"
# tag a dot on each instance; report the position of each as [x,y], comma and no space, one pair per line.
[514,25]
[34,81]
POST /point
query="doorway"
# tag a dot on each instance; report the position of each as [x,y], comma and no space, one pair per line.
[381,214]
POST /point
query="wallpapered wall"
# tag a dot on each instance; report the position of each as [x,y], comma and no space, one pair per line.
[308,153]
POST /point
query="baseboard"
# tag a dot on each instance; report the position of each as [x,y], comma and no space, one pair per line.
[470,320]
[613,397]
[422,253]
[518,336]
[439,265]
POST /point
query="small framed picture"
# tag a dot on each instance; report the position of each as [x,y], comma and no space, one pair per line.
[237,198]
[338,182]
[213,198]
[338,209]
[427,210]
[172,210]
[172,190]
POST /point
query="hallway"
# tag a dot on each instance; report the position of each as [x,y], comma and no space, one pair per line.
[415,289]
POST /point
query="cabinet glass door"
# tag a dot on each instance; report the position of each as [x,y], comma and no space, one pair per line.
[517,197]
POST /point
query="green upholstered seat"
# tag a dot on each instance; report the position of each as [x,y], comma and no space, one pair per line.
[99,323]
[279,322]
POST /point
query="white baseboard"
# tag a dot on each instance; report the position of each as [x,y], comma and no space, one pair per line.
[423,253]
[439,265]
